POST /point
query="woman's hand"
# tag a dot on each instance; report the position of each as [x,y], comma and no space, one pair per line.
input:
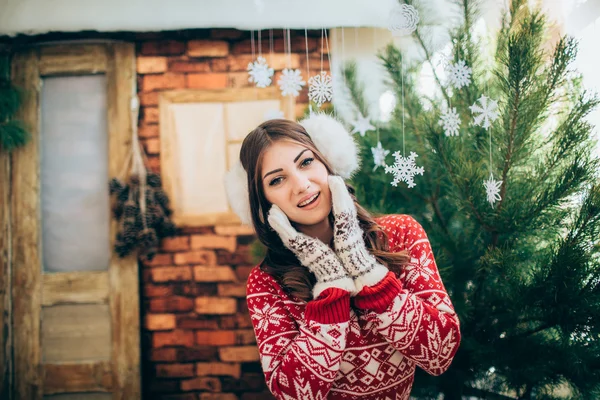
[312,253]
[348,240]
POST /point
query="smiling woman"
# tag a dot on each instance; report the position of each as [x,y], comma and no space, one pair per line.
[343,305]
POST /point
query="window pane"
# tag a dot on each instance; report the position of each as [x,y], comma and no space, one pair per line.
[74,174]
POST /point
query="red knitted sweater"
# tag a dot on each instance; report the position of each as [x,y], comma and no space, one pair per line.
[338,347]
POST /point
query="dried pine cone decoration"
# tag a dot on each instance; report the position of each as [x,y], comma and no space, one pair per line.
[115,186]
[166,228]
[153,180]
[162,199]
[130,209]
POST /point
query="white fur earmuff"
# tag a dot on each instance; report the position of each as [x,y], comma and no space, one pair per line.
[331,138]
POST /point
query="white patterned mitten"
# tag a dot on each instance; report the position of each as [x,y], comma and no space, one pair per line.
[312,253]
[349,244]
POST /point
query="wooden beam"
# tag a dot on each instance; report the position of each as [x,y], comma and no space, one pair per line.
[25,206]
[72,59]
[69,378]
[123,273]
[5,280]
[75,287]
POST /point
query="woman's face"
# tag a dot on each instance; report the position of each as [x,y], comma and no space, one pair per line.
[296,181]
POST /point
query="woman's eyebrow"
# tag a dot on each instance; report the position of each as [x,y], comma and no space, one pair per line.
[280,169]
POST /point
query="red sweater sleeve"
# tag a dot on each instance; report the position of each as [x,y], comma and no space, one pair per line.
[300,352]
[414,313]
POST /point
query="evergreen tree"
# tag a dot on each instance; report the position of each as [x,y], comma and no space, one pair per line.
[524,274]
[12,132]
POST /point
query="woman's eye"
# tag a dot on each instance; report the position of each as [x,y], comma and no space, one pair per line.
[307,161]
[275,181]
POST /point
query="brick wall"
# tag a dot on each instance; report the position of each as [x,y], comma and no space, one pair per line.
[197,337]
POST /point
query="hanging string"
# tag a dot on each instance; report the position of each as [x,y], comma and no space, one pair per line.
[322,44]
[271,47]
[375,47]
[402,85]
[289,47]
[259,43]
[306,42]
[252,43]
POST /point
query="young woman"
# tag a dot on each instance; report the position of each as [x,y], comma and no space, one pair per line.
[343,305]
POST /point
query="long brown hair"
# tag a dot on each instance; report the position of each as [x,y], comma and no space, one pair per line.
[280,262]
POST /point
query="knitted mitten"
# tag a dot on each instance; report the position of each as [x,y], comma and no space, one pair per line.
[312,253]
[349,244]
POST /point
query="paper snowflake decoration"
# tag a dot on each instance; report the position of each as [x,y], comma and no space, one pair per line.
[459,74]
[404,169]
[487,112]
[320,88]
[379,154]
[451,122]
[291,82]
[492,188]
[273,114]
[362,125]
[403,20]
[260,73]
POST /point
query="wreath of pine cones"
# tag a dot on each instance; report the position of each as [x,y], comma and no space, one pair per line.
[141,231]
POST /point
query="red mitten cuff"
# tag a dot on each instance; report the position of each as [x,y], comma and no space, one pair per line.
[380,296]
[331,307]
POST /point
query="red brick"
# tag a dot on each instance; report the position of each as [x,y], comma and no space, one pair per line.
[164,47]
[226,34]
[202,257]
[173,338]
[171,304]
[160,258]
[298,45]
[219,65]
[151,65]
[202,383]
[234,230]
[232,289]
[218,369]
[170,274]
[206,273]
[208,48]
[239,320]
[150,115]
[148,131]
[216,338]
[194,323]
[244,336]
[277,61]
[207,81]
[215,305]
[152,146]
[153,164]
[243,271]
[175,370]
[148,99]
[239,353]
[168,80]
[163,386]
[192,65]
[176,244]
[238,80]
[213,242]
[151,290]
[160,322]
[197,353]
[163,354]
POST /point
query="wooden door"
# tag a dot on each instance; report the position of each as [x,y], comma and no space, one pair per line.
[75,304]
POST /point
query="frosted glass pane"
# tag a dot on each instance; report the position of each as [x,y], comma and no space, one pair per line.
[74,174]
[198,154]
[244,116]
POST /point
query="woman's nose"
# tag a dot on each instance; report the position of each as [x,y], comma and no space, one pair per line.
[301,184]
